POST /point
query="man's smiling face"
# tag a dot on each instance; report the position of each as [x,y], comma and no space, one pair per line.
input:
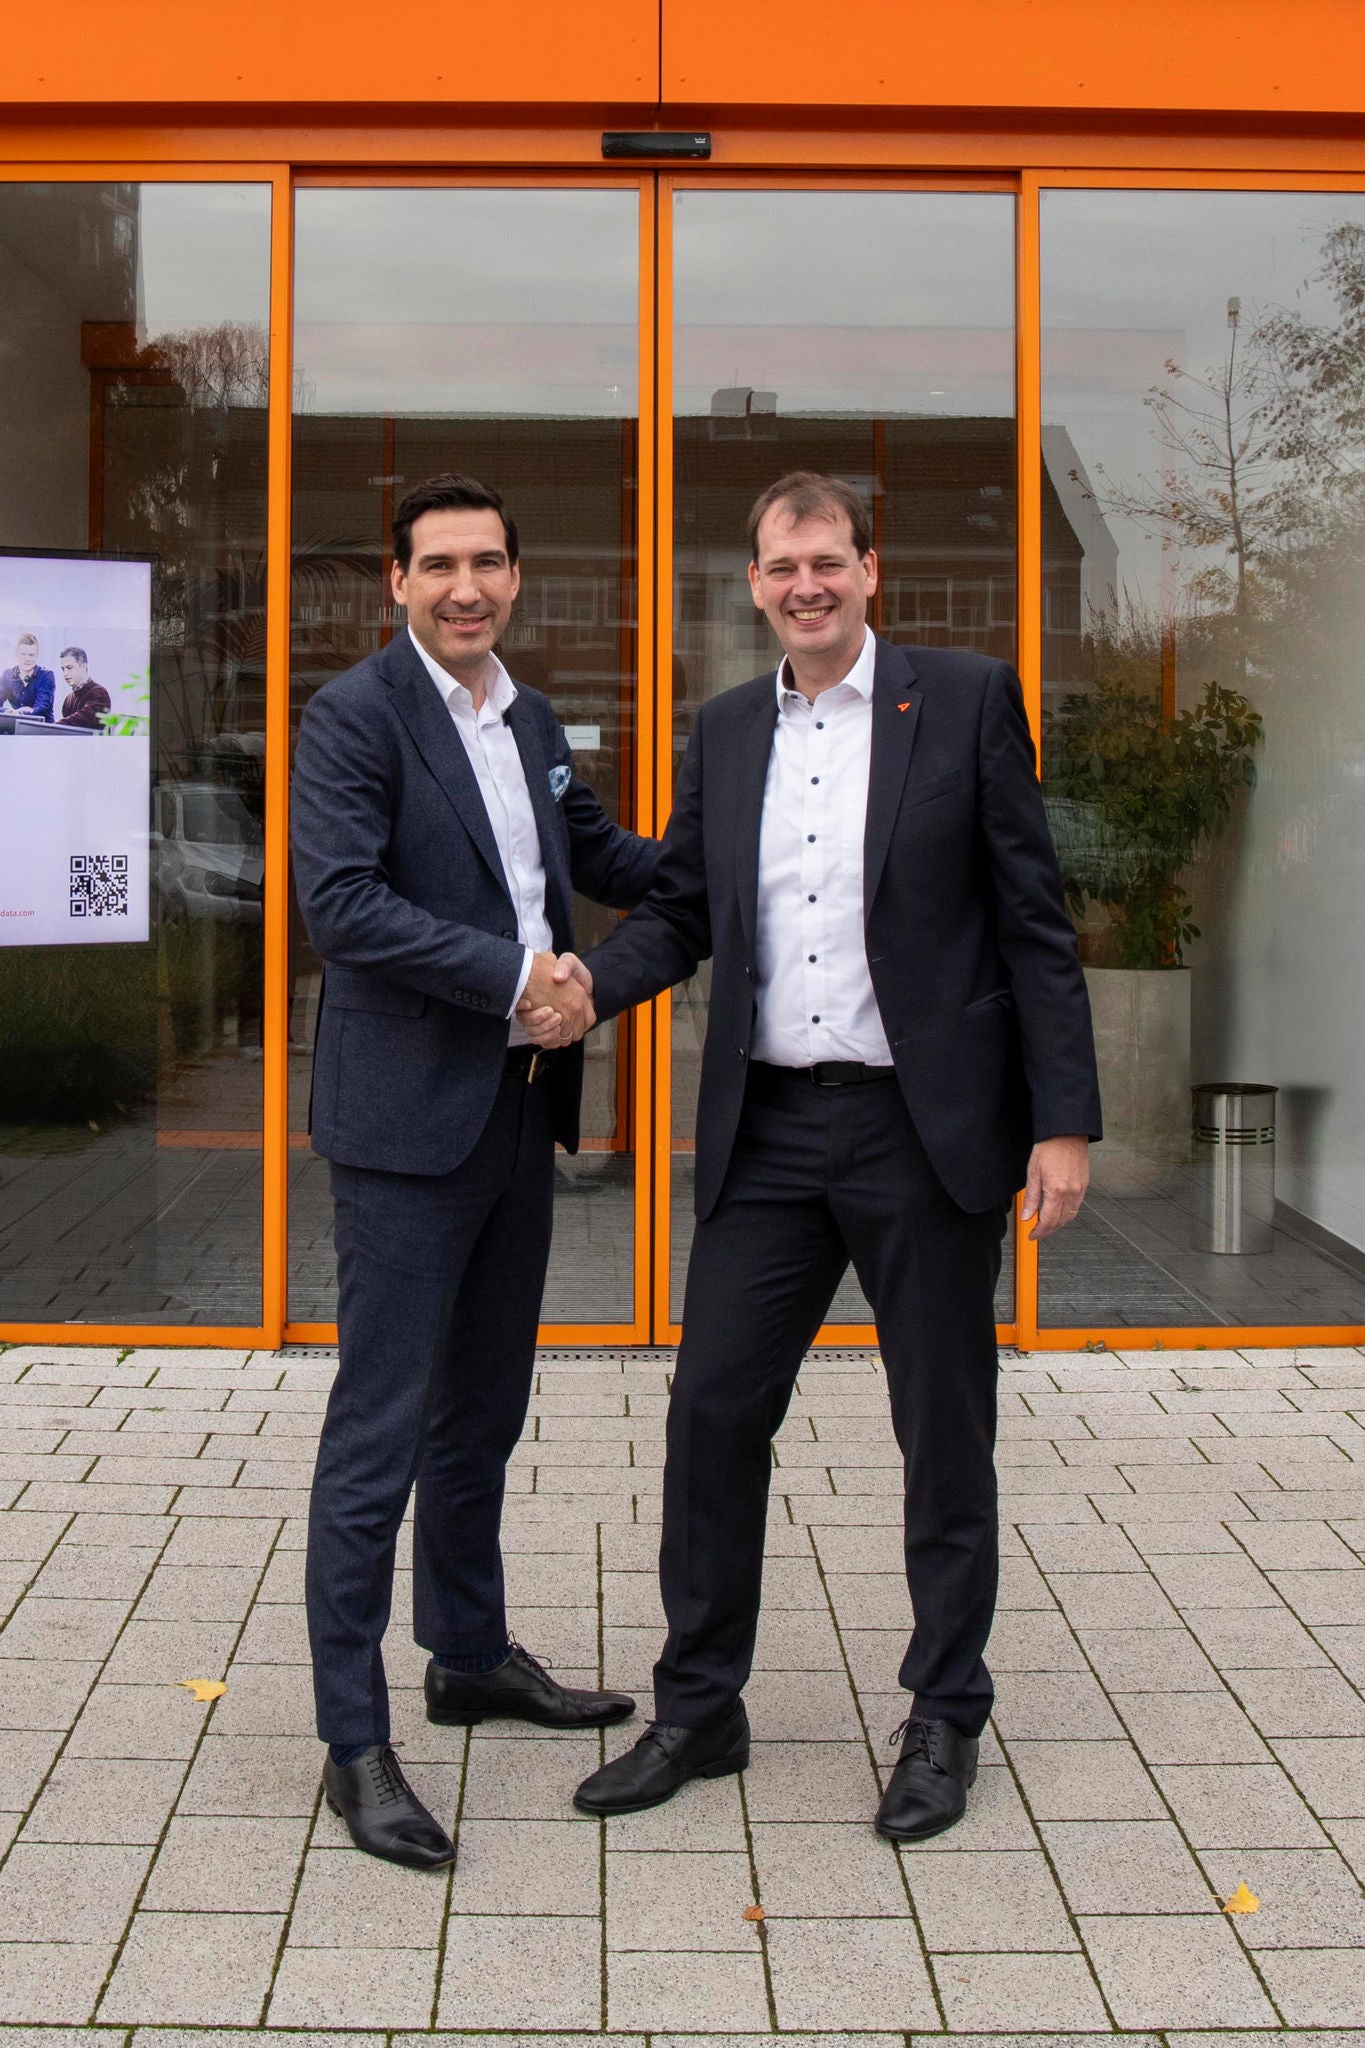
[459,586]
[813,586]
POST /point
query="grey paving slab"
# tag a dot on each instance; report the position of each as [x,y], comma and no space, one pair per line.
[1174,1970]
[1125,1867]
[208,1864]
[822,1970]
[193,1968]
[524,1971]
[149,1721]
[59,1979]
[693,1903]
[1308,1702]
[1085,1781]
[825,1869]
[327,1988]
[1309,1898]
[1320,1987]
[1148,1660]
[529,1866]
[25,1757]
[60,1892]
[989,1900]
[253,1776]
[1239,1805]
[344,1901]
[990,1995]
[1190,1728]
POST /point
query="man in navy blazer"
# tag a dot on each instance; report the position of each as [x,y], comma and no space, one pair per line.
[898,1039]
[438,834]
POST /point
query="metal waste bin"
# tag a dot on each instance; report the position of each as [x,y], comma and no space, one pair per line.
[1234,1166]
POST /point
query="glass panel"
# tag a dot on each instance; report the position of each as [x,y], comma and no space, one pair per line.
[493,332]
[889,361]
[133,425]
[1204,528]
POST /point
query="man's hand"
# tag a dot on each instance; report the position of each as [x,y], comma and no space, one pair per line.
[1058,1176]
[555,1007]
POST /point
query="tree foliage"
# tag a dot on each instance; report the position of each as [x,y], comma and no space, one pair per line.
[1134,796]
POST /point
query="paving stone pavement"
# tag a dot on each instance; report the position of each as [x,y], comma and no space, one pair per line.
[1179,1657]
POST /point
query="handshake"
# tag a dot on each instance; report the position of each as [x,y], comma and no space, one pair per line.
[556,1004]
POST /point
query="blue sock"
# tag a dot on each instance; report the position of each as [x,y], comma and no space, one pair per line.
[343,1753]
[473,1667]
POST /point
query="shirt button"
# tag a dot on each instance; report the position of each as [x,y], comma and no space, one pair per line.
[811,958]
[815,778]
[810,839]
[815,1020]
[810,899]
[819,725]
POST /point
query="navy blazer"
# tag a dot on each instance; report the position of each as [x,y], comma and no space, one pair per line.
[403,894]
[972,954]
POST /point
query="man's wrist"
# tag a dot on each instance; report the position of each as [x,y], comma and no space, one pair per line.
[528,962]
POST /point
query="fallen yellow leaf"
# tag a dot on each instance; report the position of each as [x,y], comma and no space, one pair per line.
[204,1688]
[754,1913]
[1243,1900]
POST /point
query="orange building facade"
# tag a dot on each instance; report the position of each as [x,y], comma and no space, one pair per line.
[1074,302]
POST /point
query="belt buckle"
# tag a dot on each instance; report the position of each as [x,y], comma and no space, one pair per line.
[531,1069]
[817,1075]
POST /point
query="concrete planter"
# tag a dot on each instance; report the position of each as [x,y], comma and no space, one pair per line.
[1142,1036]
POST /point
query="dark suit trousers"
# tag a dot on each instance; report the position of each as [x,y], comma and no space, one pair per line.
[818,1177]
[440,1283]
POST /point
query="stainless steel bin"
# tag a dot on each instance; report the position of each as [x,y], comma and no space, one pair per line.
[1233,1147]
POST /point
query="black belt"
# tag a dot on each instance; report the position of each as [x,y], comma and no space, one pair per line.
[827,1073]
[528,1062]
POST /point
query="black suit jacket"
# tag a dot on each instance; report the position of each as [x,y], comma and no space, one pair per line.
[972,954]
[403,894]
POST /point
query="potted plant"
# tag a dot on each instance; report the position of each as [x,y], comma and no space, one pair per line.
[1133,795]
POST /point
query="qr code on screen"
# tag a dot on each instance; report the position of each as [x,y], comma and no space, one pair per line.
[99,885]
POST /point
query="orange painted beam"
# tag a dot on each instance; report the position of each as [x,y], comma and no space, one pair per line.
[327,52]
[1231,56]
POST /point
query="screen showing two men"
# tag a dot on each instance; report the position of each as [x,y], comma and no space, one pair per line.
[75,750]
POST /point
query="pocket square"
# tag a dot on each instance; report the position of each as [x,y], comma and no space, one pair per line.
[560,779]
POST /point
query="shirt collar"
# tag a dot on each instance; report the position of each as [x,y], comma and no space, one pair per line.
[499,696]
[859,677]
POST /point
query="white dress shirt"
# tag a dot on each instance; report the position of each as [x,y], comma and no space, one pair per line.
[493,755]
[814,994]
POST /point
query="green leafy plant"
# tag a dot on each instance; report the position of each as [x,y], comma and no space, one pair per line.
[1132,797]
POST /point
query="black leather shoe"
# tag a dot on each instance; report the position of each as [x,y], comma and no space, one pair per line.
[927,1791]
[519,1690]
[662,1762]
[383,1813]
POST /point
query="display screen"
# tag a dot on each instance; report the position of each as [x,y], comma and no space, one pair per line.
[75,749]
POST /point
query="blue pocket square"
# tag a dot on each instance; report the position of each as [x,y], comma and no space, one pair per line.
[560,779]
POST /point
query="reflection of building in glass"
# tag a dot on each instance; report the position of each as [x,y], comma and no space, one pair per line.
[943,499]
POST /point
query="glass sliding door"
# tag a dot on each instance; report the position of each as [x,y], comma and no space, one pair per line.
[495,331]
[1203,392]
[870,335]
[133,462]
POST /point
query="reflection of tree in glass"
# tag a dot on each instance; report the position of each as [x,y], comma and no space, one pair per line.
[1260,499]
[1133,796]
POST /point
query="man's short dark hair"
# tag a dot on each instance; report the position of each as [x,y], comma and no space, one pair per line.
[80,654]
[448,493]
[804,495]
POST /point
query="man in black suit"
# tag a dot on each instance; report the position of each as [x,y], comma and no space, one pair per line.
[899,1038]
[438,833]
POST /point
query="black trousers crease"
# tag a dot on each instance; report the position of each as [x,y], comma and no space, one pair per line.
[819,1178]
[440,1281]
